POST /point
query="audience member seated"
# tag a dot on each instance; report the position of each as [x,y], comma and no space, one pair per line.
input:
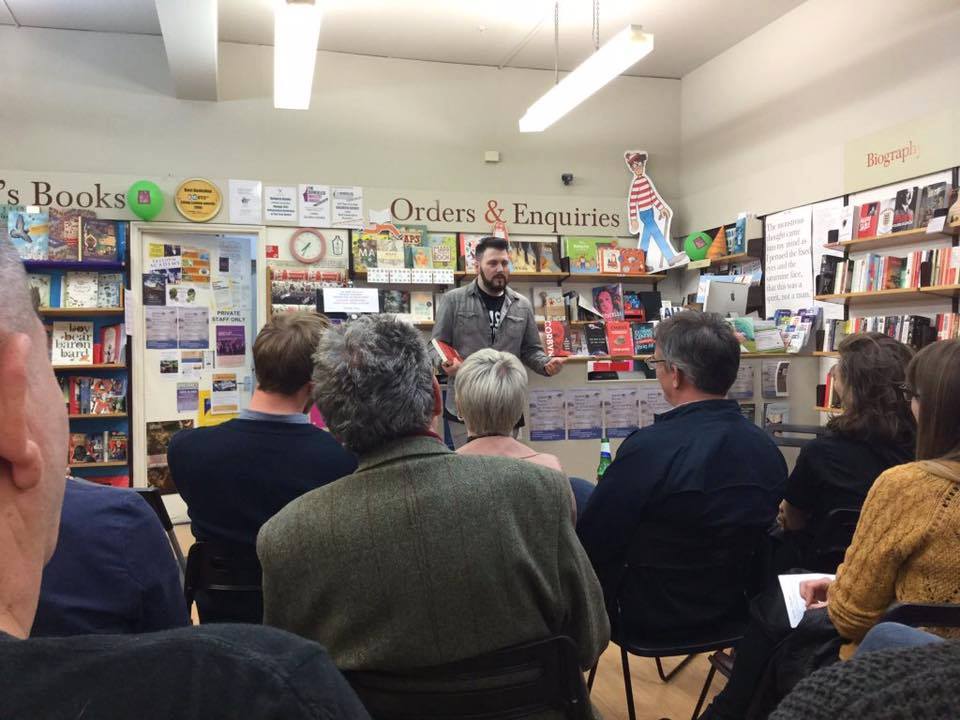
[700,466]
[893,636]
[213,673]
[237,475]
[491,388]
[920,683]
[422,557]
[113,570]
[906,549]
[875,432]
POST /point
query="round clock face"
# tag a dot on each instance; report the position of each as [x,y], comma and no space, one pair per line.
[308,246]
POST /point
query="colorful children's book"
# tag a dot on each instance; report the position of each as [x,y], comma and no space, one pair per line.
[80,290]
[99,240]
[29,234]
[633,261]
[468,250]
[40,284]
[421,306]
[110,290]
[65,233]
[547,303]
[443,250]
[72,343]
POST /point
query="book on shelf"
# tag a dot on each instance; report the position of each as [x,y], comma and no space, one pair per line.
[531,253]
[28,232]
[116,443]
[953,213]
[619,338]
[776,413]
[849,217]
[446,352]
[556,339]
[72,343]
[390,252]
[608,301]
[609,259]
[99,240]
[94,395]
[584,252]
[64,233]
[421,306]
[122,481]
[596,336]
[933,198]
[5,211]
[868,220]
[40,284]
[395,302]
[412,237]
[418,257]
[89,448]
[113,343]
[443,250]
[547,302]
[885,217]
[80,289]
[364,249]
[749,411]
[633,261]
[468,250]
[905,209]
[109,290]
[913,330]
[644,333]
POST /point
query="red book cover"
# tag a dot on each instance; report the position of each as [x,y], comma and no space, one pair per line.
[892,273]
[446,352]
[74,395]
[633,261]
[619,338]
[97,353]
[869,217]
[114,480]
[556,337]
[611,366]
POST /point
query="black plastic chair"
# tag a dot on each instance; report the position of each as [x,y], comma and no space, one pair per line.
[924,614]
[515,682]
[832,540]
[726,565]
[151,496]
[776,432]
[225,581]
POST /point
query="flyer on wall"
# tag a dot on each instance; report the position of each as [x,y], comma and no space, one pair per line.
[188,394]
[246,201]
[348,207]
[161,327]
[584,414]
[652,402]
[314,205]
[547,419]
[231,345]
[194,328]
[225,397]
[622,406]
[280,203]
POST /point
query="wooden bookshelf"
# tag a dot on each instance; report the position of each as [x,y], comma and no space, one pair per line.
[904,237]
[97,366]
[875,295]
[79,312]
[950,291]
[362,276]
[525,276]
[424,325]
[735,258]
[604,358]
[102,416]
[833,410]
[620,277]
[111,463]
[826,353]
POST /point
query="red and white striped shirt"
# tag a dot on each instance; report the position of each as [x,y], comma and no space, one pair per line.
[643,196]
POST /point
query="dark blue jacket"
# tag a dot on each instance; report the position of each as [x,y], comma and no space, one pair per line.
[113,570]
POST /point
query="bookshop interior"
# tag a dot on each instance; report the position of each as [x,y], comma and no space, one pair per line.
[457,359]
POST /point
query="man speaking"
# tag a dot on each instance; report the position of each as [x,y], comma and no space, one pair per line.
[487,313]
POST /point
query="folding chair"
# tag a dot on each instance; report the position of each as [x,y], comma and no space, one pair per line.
[225,581]
[152,497]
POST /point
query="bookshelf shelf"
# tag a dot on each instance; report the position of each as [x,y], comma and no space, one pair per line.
[950,291]
[594,277]
[892,239]
[826,353]
[98,366]
[362,276]
[735,258]
[424,325]
[833,410]
[605,358]
[102,416]
[875,295]
[525,276]
[111,463]
[42,265]
[79,312]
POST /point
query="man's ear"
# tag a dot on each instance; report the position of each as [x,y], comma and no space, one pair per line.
[14,355]
[437,398]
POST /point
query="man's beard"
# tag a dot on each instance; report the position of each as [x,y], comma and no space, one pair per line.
[498,281]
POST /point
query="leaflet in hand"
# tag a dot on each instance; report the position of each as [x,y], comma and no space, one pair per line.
[790,587]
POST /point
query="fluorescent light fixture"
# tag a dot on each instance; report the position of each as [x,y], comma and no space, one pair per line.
[296,27]
[621,52]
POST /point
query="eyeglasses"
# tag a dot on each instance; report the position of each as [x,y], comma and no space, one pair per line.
[907,392]
[654,362]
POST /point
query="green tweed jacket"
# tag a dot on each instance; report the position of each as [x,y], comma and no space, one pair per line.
[424,557]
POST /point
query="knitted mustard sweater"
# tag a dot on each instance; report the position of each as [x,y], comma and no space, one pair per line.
[906,547]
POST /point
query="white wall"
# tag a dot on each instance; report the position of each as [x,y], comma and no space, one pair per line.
[104,103]
[763,125]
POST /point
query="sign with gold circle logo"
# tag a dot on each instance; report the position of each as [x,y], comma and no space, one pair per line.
[198,200]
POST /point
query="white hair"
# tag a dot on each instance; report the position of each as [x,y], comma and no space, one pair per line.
[491,389]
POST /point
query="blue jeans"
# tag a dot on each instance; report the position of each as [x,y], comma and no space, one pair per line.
[891,636]
[650,229]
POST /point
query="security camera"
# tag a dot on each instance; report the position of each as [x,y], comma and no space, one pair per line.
[567,178]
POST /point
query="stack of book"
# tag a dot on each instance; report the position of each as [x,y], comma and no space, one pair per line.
[913,330]
[94,395]
[90,448]
[922,268]
[911,208]
[78,290]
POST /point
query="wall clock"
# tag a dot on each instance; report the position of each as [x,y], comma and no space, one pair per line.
[308,246]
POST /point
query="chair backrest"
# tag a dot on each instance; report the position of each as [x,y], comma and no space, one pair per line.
[832,539]
[677,579]
[512,683]
[152,497]
[776,432]
[924,614]
[221,568]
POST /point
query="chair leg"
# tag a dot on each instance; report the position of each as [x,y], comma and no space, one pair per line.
[591,676]
[627,684]
[703,693]
[669,676]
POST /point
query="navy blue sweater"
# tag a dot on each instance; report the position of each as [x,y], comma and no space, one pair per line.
[236,476]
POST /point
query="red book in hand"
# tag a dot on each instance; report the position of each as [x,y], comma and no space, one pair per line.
[447,353]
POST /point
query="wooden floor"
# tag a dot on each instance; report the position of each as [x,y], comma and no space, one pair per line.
[653,699]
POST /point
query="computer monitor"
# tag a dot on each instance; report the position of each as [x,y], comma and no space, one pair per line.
[726,298]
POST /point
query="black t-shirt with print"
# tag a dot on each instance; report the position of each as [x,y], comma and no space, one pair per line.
[494,305]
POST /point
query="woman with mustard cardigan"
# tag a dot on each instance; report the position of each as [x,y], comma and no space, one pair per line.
[906,548]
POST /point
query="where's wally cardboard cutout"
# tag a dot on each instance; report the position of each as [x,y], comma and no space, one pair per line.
[649,216]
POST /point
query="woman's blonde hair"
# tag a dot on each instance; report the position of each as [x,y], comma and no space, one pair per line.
[491,389]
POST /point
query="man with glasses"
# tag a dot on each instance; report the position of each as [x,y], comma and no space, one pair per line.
[701,465]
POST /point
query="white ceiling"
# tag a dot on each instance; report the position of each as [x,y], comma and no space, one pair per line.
[518,33]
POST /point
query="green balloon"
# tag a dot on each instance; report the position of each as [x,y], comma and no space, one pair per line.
[145,199]
[696,245]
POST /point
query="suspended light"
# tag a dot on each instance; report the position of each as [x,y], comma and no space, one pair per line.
[296,28]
